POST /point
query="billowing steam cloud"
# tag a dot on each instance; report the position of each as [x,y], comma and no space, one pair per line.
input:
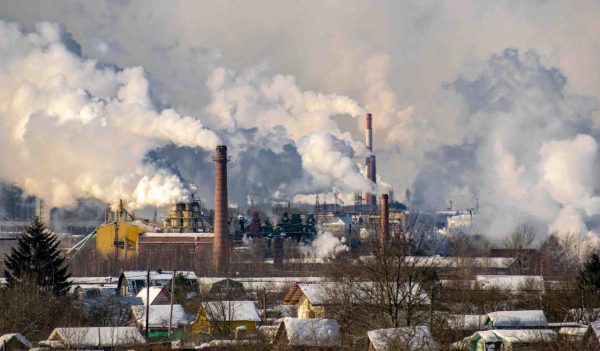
[325,246]
[73,127]
[509,126]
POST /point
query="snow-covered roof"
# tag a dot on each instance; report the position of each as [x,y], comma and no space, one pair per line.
[6,338]
[311,332]
[515,336]
[317,293]
[457,262]
[261,283]
[406,338]
[511,319]
[93,337]
[584,315]
[93,280]
[231,311]
[107,289]
[323,293]
[510,282]
[154,293]
[155,275]
[572,331]
[466,321]
[159,316]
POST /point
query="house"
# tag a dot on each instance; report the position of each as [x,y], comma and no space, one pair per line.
[529,319]
[223,317]
[312,299]
[407,338]
[511,339]
[159,318]
[314,334]
[158,295]
[94,338]
[14,342]
[131,282]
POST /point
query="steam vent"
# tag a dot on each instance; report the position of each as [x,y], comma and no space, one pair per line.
[222,241]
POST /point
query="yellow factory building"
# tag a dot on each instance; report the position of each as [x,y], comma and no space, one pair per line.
[120,234]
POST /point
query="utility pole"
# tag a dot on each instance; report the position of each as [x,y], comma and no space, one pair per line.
[171,311]
[148,305]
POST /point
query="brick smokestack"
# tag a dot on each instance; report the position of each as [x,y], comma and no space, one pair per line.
[371,168]
[221,242]
[385,221]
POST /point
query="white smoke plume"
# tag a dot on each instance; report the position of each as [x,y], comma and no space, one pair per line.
[457,115]
[72,127]
[326,246]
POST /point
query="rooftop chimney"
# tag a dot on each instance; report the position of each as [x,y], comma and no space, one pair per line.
[221,242]
[385,221]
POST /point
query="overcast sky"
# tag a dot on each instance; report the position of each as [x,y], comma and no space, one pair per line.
[471,99]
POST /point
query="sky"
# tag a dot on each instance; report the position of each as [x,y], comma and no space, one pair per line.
[495,101]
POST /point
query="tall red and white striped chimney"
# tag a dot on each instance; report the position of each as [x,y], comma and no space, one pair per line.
[371,168]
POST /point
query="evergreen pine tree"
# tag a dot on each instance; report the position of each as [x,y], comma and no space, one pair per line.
[588,278]
[37,260]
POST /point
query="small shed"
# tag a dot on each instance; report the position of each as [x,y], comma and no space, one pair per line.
[407,338]
[159,295]
[94,338]
[223,317]
[516,319]
[316,334]
[511,339]
[14,342]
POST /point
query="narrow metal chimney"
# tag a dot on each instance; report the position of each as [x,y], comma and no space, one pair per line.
[385,221]
[221,242]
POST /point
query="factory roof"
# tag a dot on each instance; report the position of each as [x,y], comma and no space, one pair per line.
[456,262]
[178,235]
[510,282]
[156,275]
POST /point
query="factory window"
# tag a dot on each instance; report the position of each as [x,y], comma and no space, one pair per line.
[190,249]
